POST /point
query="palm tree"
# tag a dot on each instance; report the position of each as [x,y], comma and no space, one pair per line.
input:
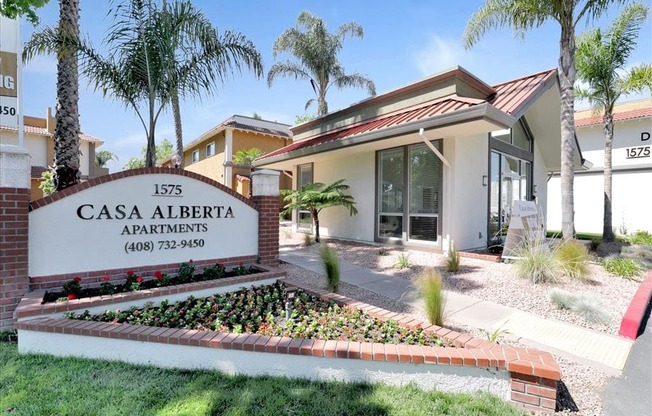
[244,157]
[522,15]
[316,196]
[103,157]
[62,41]
[317,49]
[202,58]
[601,59]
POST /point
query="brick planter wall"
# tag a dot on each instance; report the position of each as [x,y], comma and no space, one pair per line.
[14,280]
[268,211]
[532,375]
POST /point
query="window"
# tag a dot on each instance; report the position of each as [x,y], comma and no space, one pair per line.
[516,136]
[409,185]
[304,177]
[195,156]
[210,149]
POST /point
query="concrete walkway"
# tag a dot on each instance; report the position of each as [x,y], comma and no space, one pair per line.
[605,352]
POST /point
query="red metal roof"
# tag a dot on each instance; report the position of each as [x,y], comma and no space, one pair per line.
[618,116]
[511,97]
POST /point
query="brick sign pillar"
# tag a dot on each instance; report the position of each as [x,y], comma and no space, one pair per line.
[14,214]
[265,194]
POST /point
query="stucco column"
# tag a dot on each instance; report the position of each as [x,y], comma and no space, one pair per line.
[228,158]
[14,215]
[265,194]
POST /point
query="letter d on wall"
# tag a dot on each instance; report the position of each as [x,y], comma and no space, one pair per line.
[645,136]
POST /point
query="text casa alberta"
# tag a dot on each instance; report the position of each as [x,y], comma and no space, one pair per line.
[160,212]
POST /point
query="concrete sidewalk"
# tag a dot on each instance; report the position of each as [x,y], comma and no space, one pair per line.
[603,351]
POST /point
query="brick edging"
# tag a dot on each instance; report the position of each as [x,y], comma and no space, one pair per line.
[632,319]
[39,203]
[31,303]
[533,374]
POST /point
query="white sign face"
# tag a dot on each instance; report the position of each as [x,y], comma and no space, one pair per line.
[9,67]
[525,223]
[137,221]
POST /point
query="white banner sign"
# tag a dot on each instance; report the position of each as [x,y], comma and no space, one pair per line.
[142,220]
[9,71]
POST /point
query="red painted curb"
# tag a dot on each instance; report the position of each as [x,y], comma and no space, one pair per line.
[631,322]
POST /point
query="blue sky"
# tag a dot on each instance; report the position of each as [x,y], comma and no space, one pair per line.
[404,41]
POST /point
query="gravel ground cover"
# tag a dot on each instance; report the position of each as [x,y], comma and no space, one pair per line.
[494,282]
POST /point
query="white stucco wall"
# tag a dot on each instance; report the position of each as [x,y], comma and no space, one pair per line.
[38,149]
[630,186]
[540,180]
[630,210]
[426,376]
[83,158]
[468,159]
[359,172]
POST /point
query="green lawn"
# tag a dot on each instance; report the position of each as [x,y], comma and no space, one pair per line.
[44,385]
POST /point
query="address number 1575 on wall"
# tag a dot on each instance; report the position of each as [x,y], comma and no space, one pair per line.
[167,189]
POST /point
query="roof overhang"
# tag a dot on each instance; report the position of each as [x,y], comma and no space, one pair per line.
[477,119]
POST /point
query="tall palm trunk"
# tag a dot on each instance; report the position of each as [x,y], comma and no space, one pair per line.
[315,218]
[567,76]
[66,132]
[150,154]
[607,230]
[178,131]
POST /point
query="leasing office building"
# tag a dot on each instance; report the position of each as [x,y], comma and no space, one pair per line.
[482,147]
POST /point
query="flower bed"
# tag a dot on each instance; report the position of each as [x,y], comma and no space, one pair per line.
[262,311]
[73,290]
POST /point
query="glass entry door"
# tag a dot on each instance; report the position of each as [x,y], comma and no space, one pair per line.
[510,181]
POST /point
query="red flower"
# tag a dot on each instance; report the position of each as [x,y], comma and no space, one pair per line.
[77,279]
[241,264]
[139,279]
[130,273]
[107,278]
[158,275]
[221,265]
[72,296]
[190,261]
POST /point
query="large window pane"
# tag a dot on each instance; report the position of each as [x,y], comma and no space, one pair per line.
[424,180]
[390,226]
[520,138]
[494,197]
[305,177]
[423,228]
[391,181]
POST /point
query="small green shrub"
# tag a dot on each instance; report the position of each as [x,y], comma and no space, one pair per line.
[594,244]
[496,335]
[307,240]
[537,262]
[643,238]
[383,251]
[573,257]
[453,260]
[562,299]
[186,272]
[430,286]
[591,309]
[332,268]
[623,267]
[403,262]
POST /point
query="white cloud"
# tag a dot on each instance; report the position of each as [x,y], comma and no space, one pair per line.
[439,54]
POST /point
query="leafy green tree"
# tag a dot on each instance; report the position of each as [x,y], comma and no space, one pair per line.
[246,156]
[316,196]
[103,157]
[62,40]
[164,150]
[523,15]
[303,118]
[601,60]
[198,58]
[47,183]
[27,8]
[316,49]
